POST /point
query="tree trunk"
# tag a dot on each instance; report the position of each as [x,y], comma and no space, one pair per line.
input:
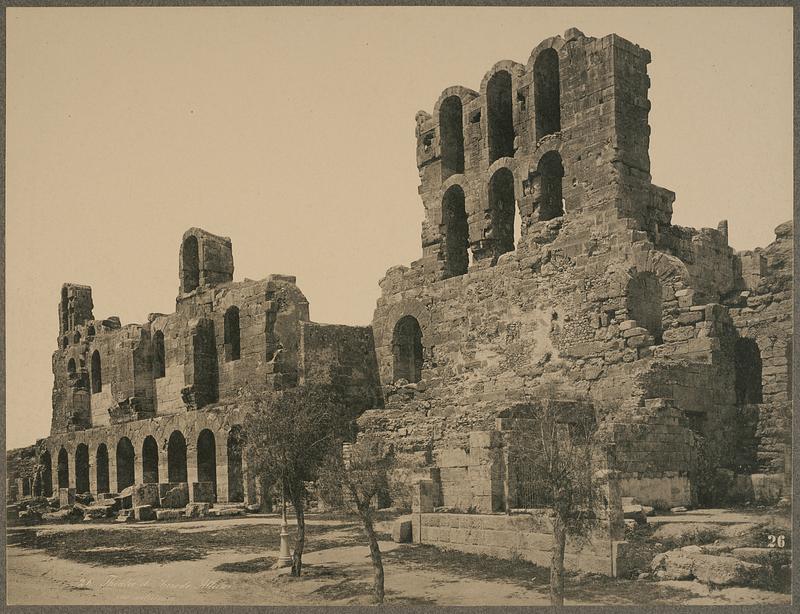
[557,562]
[299,544]
[375,554]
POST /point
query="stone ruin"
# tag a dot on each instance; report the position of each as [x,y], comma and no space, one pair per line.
[550,269]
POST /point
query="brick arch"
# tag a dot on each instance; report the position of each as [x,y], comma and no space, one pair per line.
[554,42]
[464,93]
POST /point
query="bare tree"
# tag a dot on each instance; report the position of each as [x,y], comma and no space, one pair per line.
[553,462]
[288,434]
[353,478]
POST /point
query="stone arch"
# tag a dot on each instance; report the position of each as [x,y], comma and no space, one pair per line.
[159,355]
[502,210]
[232,334]
[149,460]
[97,374]
[500,115]
[451,136]
[747,367]
[644,301]
[82,468]
[547,93]
[126,457]
[456,231]
[235,469]
[63,468]
[550,171]
[46,473]
[101,466]
[207,458]
[176,457]
[407,350]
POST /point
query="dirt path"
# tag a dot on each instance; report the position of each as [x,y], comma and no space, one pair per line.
[228,563]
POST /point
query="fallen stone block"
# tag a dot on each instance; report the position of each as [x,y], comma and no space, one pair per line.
[54,501]
[85,498]
[196,510]
[706,568]
[145,494]
[176,497]
[253,508]
[124,502]
[677,510]
[401,531]
[58,516]
[168,514]
[125,516]
[227,511]
[144,512]
[634,512]
[93,512]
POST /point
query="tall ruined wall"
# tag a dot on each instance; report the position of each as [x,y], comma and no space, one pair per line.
[596,297]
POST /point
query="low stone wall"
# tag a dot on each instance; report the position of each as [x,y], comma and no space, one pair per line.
[673,490]
[528,536]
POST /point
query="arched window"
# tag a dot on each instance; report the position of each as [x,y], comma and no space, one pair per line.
[150,460]
[232,346]
[176,457]
[46,471]
[547,93]
[500,116]
[190,259]
[90,331]
[207,458]
[97,375]
[747,369]
[644,302]
[76,338]
[456,232]
[235,473]
[103,481]
[551,173]
[82,468]
[125,460]
[63,469]
[64,342]
[71,367]
[159,358]
[407,350]
[502,206]
[451,136]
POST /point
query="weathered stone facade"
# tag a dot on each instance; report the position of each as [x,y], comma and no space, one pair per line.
[597,297]
[160,402]
[550,269]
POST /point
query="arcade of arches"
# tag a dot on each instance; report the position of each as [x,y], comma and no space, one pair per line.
[210,456]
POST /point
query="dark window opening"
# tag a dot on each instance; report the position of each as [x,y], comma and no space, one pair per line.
[407,350]
[207,459]
[451,136]
[645,303]
[71,370]
[190,256]
[547,93]
[82,469]
[150,460]
[747,369]
[176,457]
[159,357]
[97,375]
[456,232]
[232,344]
[64,342]
[103,481]
[502,206]
[46,473]
[63,469]
[500,114]
[235,472]
[551,174]
[91,331]
[125,460]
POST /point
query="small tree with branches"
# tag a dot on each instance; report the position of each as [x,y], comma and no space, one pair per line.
[288,434]
[353,477]
[553,464]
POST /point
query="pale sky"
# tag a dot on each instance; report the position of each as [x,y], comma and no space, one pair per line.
[291,130]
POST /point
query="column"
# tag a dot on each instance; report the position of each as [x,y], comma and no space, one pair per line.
[221,443]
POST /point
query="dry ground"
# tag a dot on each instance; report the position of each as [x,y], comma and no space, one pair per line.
[227,561]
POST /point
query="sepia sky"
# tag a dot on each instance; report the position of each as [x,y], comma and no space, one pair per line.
[291,130]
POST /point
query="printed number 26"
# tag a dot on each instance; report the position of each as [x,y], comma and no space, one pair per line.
[776,542]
